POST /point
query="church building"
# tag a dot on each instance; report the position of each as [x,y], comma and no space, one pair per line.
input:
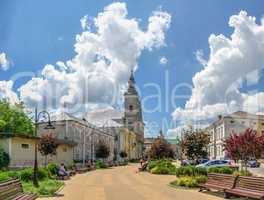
[119,130]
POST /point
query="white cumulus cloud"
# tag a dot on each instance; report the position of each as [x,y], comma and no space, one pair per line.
[200,57]
[99,71]
[163,60]
[232,59]
[4,62]
[85,22]
[6,92]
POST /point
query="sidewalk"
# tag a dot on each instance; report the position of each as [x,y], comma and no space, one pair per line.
[123,183]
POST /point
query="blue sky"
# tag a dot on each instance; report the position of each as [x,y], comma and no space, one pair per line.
[36,33]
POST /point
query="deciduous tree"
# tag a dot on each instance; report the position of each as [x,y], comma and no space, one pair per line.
[13,119]
[244,146]
[47,146]
[194,144]
[123,154]
[4,159]
[102,150]
[161,149]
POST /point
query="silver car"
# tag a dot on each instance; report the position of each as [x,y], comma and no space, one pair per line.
[215,163]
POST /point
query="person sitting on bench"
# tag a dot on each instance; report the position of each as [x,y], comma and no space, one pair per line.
[62,171]
[143,167]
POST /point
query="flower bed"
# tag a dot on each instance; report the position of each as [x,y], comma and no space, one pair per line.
[191,177]
[161,167]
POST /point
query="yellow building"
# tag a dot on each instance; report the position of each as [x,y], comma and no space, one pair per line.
[21,151]
[128,140]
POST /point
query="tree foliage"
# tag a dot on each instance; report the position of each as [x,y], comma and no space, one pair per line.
[47,146]
[244,146]
[102,150]
[194,144]
[161,149]
[13,119]
[4,159]
[123,154]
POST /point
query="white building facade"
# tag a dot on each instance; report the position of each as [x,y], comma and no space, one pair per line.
[221,129]
[86,135]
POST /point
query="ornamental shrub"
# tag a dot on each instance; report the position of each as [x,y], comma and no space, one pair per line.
[53,168]
[201,179]
[200,171]
[161,167]
[152,164]
[4,176]
[184,171]
[160,170]
[221,170]
[42,173]
[189,181]
[100,165]
[190,171]
[26,174]
[4,159]
[13,174]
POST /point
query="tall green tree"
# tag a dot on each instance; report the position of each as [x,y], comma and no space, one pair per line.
[194,144]
[160,148]
[102,150]
[4,159]
[13,119]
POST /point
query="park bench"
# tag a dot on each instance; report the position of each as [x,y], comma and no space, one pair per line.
[81,169]
[219,182]
[250,187]
[12,190]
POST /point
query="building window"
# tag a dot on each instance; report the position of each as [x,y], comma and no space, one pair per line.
[130,107]
[218,150]
[64,149]
[25,146]
[232,121]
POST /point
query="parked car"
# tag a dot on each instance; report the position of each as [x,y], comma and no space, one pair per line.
[202,161]
[253,163]
[188,162]
[215,163]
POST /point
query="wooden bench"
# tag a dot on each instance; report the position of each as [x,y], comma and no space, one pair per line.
[12,190]
[250,187]
[219,182]
[81,169]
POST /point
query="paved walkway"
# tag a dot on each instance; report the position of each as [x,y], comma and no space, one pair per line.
[123,183]
[257,171]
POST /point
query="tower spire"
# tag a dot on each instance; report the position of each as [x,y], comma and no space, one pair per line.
[132,79]
[131,84]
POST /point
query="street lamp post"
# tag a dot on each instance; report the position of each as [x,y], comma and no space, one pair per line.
[49,126]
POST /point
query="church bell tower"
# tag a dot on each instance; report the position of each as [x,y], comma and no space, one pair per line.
[133,112]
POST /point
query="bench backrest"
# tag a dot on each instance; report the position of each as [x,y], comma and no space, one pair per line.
[9,189]
[221,179]
[250,183]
